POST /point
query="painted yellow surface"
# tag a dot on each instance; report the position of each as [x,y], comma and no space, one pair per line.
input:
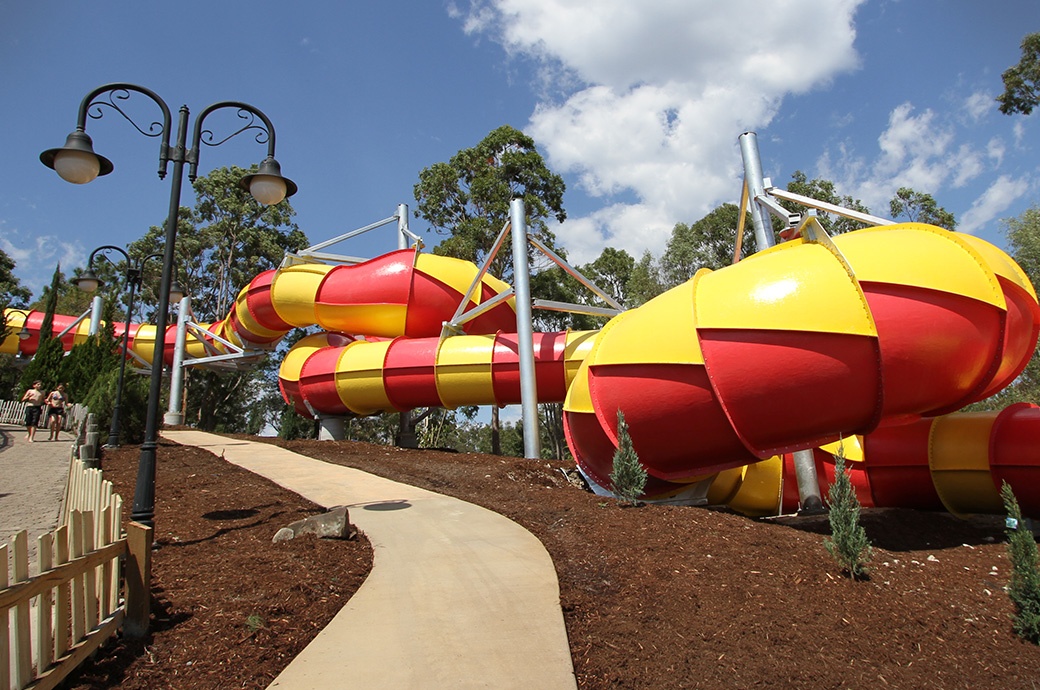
[725,486]
[660,331]
[143,342]
[359,377]
[796,286]
[81,332]
[579,397]
[459,275]
[294,360]
[247,320]
[1001,264]
[463,370]
[14,320]
[921,256]
[852,446]
[958,456]
[293,290]
[381,320]
[576,349]
[760,489]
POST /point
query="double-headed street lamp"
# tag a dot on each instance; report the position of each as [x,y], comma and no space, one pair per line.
[88,282]
[76,162]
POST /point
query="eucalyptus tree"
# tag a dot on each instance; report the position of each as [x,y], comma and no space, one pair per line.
[825,190]
[611,271]
[1022,81]
[644,282]
[918,207]
[708,243]
[222,243]
[467,199]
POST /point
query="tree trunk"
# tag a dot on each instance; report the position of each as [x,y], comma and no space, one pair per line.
[496,438]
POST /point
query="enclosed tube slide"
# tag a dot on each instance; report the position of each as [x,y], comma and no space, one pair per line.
[871,338]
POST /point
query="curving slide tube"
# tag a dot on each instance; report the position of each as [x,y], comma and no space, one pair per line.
[870,339]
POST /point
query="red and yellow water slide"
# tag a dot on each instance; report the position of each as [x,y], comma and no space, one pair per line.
[873,339]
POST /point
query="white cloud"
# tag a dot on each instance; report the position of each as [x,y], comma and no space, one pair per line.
[1000,195]
[978,105]
[36,258]
[1020,132]
[916,150]
[967,165]
[645,89]
[995,149]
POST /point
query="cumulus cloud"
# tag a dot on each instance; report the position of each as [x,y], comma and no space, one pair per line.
[978,105]
[917,150]
[36,257]
[646,92]
[996,199]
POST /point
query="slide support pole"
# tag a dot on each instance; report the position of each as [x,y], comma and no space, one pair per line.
[525,331]
[804,463]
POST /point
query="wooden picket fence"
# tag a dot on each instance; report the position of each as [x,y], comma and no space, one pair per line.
[13,412]
[49,624]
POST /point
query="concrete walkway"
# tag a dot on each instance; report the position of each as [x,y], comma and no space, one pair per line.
[458,596]
[32,484]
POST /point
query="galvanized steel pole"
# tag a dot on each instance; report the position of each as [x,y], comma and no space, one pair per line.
[804,462]
[174,412]
[525,330]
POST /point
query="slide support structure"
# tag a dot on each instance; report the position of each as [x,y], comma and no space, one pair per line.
[175,412]
[95,315]
[525,330]
[405,437]
[804,461]
[332,427]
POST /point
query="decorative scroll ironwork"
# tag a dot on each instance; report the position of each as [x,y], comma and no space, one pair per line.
[96,111]
[262,135]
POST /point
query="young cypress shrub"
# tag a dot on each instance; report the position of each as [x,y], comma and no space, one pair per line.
[848,543]
[628,476]
[1024,588]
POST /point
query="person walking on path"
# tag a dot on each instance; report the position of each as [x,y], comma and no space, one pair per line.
[34,397]
[56,410]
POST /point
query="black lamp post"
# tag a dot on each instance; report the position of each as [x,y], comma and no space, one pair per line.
[88,282]
[23,332]
[76,162]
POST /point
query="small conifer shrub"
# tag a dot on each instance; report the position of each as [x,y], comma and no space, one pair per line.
[628,476]
[1024,588]
[848,543]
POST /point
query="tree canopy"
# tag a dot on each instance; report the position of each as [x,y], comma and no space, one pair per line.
[12,292]
[222,243]
[825,190]
[919,207]
[1022,81]
[468,198]
[707,243]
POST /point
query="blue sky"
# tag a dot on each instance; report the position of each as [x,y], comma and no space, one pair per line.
[638,105]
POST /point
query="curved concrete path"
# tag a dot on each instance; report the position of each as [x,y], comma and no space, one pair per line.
[458,596]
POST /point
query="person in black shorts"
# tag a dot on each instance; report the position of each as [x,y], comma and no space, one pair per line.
[34,397]
[56,410]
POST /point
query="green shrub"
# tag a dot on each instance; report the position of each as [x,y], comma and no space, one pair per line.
[628,476]
[101,399]
[88,362]
[848,543]
[1024,588]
